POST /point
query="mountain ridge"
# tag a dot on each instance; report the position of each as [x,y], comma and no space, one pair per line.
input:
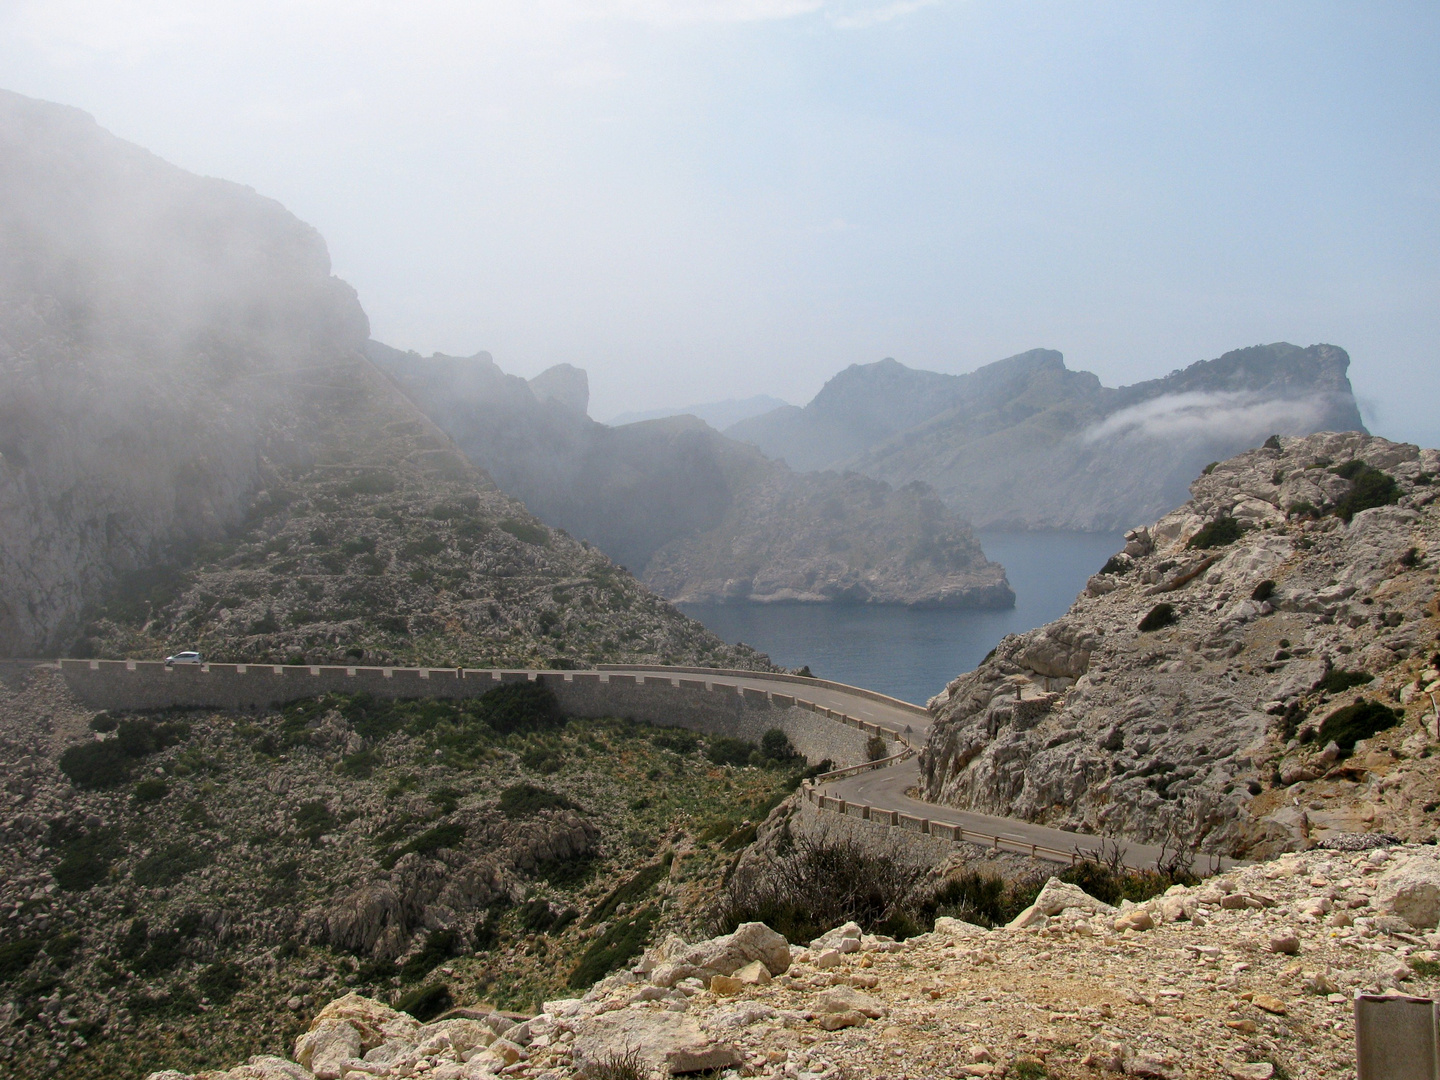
[1023,443]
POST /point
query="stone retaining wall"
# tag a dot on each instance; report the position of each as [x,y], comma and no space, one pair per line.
[713,706]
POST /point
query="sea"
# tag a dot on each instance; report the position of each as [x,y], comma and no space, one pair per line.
[912,654]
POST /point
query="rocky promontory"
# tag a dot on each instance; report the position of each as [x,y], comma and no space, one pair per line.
[1255,672]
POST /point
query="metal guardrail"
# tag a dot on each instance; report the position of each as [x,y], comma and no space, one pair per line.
[944,830]
[865,766]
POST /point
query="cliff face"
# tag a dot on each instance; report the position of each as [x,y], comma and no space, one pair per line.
[1027,443]
[152,323]
[699,516]
[1197,691]
[197,454]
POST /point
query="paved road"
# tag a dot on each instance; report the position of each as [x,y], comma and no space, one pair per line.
[888,787]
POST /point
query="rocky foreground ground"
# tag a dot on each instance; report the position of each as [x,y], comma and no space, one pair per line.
[1249,975]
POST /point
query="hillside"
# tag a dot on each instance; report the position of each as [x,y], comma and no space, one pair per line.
[194,453]
[1255,672]
[186,887]
[1027,443]
[694,514]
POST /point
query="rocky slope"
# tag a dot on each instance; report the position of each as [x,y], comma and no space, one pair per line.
[1027,443]
[195,453]
[1246,977]
[190,886]
[699,516]
[151,323]
[1255,672]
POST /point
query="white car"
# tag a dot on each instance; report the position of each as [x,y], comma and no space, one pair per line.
[183,658]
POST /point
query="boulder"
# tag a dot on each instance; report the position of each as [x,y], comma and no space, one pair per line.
[1055,897]
[840,999]
[665,1042]
[1411,891]
[948,927]
[266,1067]
[1135,919]
[843,939]
[754,973]
[375,1021]
[723,955]
[326,1045]
[459,1034]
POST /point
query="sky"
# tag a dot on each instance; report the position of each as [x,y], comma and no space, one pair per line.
[708,199]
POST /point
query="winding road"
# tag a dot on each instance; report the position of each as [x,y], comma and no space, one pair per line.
[880,793]
[889,787]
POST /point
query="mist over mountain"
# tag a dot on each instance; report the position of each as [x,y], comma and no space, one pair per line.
[1027,443]
[718,414]
[195,453]
[695,514]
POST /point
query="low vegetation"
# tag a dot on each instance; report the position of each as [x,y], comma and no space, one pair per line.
[230,831]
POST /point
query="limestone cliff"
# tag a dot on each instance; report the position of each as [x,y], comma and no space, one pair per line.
[1248,674]
[195,453]
[1027,443]
[699,516]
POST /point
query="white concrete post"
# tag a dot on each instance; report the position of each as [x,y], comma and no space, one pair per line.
[1396,1037]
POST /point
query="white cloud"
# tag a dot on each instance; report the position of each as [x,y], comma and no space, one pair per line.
[1213,415]
[859,20]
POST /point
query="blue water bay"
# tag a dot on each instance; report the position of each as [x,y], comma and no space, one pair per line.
[913,654]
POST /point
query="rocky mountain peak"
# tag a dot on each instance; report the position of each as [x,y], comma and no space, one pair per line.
[565,385]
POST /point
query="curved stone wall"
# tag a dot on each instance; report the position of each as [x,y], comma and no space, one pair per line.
[708,704]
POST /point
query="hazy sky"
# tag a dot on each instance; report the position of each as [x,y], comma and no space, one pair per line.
[699,199]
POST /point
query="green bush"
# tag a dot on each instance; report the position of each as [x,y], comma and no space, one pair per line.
[448,835]
[1263,591]
[86,856]
[1347,726]
[103,722]
[629,892]
[182,1001]
[678,740]
[313,820]
[1337,680]
[16,956]
[527,800]
[526,532]
[1209,468]
[1369,488]
[1116,564]
[876,748]
[426,1002]
[520,707]
[622,941]
[96,765]
[360,764]
[63,946]
[1218,533]
[170,864]
[221,981]
[440,945]
[1302,508]
[371,483]
[152,790]
[725,750]
[1158,617]
[776,748]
